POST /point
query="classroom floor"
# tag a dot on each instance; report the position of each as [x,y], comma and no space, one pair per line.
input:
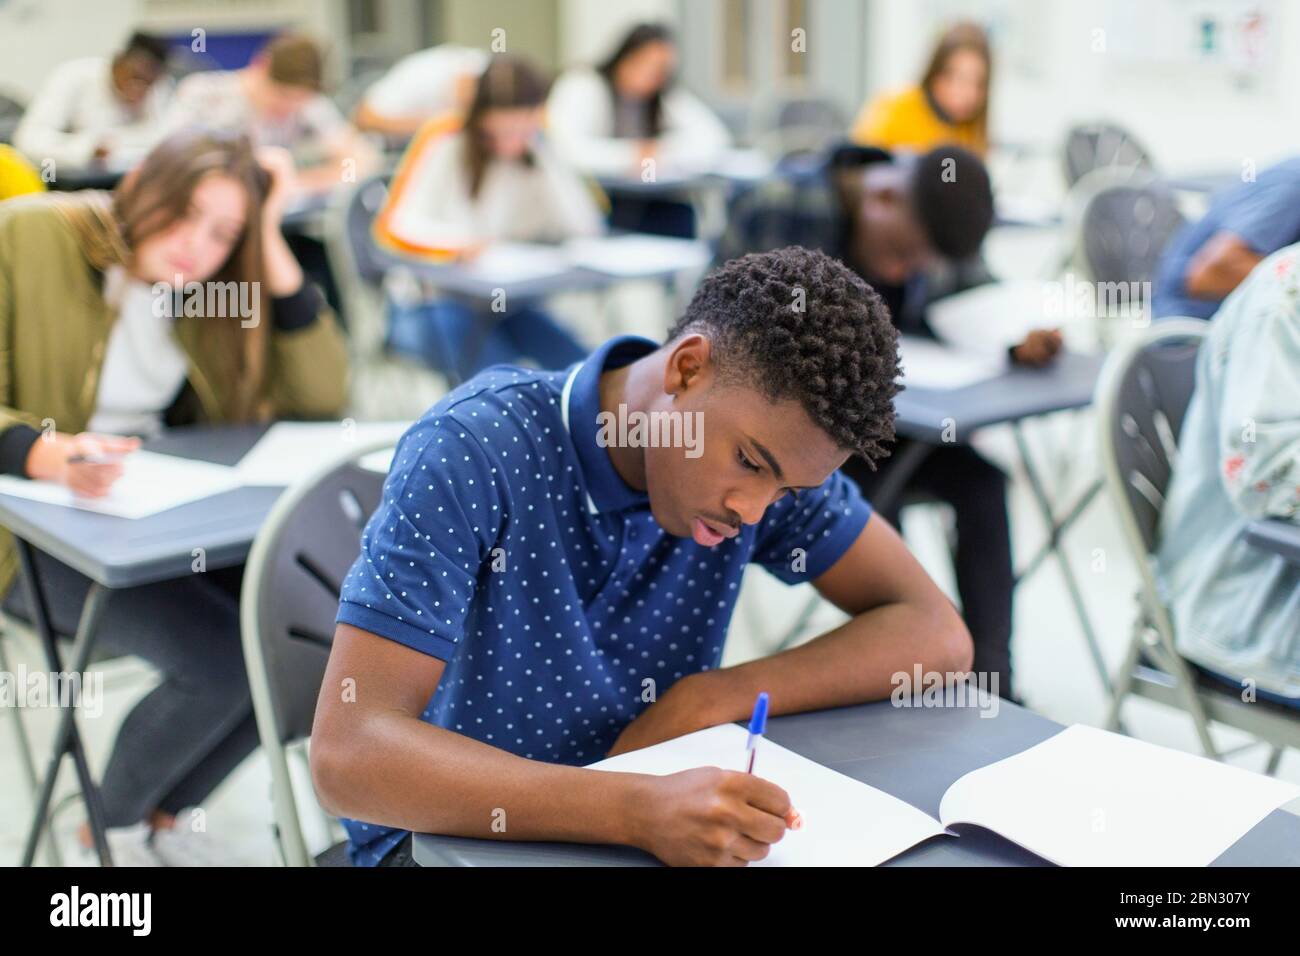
[1054,671]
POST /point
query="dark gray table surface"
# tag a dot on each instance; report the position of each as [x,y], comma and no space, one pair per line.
[1280,537]
[914,754]
[1020,392]
[125,552]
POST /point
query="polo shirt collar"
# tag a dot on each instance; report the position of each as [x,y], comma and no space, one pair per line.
[580,404]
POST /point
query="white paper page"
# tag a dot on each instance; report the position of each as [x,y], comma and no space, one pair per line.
[1086,797]
[990,318]
[505,262]
[748,165]
[150,483]
[846,823]
[932,365]
[637,255]
[291,450]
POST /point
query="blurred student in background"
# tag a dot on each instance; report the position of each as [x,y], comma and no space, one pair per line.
[277,100]
[95,110]
[1235,607]
[460,189]
[1209,258]
[86,314]
[421,87]
[892,220]
[949,107]
[17,176]
[628,118]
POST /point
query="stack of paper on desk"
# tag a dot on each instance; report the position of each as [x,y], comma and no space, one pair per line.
[1084,797]
[629,256]
[291,450]
[150,483]
[927,364]
[506,262]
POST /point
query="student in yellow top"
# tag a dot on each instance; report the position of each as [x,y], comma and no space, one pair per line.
[17,176]
[949,107]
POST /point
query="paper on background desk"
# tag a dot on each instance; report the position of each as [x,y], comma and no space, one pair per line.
[1087,797]
[150,483]
[637,255]
[846,822]
[929,364]
[291,450]
[506,262]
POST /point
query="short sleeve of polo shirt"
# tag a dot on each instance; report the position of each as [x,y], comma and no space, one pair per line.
[804,534]
[423,548]
[1266,215]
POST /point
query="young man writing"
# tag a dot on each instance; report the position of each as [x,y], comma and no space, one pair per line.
[528,599]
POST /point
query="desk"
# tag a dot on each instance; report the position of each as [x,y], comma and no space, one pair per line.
[120,553]
[481,291]
[706,191]
[87,177]
[930,415]
[1280,537]
[914,754]
[1011,398]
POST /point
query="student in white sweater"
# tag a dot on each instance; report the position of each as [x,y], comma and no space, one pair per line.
[420,87]
[461,189]
[609,120]
[93,110]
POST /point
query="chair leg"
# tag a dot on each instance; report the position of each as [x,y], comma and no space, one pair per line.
[20,732]
[52,855]
[1274,760]
[1187,687]
[288,827]
[1124,679]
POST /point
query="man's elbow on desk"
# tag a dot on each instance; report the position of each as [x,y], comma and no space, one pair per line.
[952,647]
[329,769]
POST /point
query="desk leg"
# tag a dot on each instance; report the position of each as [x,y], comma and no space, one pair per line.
[890,490]
[1064,524]
[1054,531]
[67,738]
[484,324]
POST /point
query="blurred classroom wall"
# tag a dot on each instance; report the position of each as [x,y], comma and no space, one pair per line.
[1058,61]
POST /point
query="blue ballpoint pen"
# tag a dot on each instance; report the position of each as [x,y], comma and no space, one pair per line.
[757,724]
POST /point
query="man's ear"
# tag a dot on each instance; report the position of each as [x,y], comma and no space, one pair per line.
[689,362]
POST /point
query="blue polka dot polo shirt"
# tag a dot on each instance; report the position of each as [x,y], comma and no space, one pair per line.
[507,545]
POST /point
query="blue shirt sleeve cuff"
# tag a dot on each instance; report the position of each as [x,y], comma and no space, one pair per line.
[418,639]
[835,545]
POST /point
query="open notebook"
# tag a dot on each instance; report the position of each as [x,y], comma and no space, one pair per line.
[1084,797]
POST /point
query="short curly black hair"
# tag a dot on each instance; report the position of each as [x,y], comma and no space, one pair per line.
[797,324]
[953,199]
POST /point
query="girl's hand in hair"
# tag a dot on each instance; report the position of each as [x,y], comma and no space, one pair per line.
[284,183]
[282,274]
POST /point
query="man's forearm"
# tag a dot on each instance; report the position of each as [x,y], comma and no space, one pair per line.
[402,772]
[851,664]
